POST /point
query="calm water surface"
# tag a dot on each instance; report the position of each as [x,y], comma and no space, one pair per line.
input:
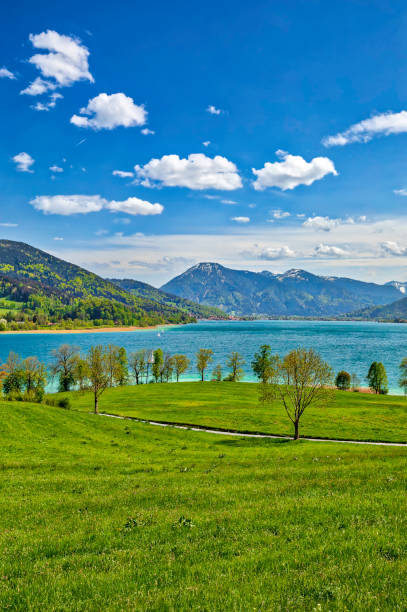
[348,345]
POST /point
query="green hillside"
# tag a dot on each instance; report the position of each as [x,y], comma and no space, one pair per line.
[396,311]
[144,290]
[51,291]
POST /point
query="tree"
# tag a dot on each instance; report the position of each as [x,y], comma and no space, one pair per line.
[81,373]
[343,380]
[403,375]
[377,377]
[158,364]
[138,363]
[112,362]
[122,374]
[262,362]
[203,359]
[235,362]
[299,380]
[13,382]
[355,381]
[99,372]
[167,369]
[35,376]
[181,365]
[64,365]
[217,373]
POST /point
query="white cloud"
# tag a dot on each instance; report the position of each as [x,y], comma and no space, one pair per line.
[229,202]
[326,224]
[106,112]
[45,106]
[280,214]
[394,248]
[6,74]
[147,132]
[212,110]
[382,124]
[292,171]
[24,162]
[252,205]
[400,192]
[123,174]
[195,172]
[300,216]
[241,219]
[206,143]
[8,224]
[82,204]
[135,206]
[56,169]
[66,62]
[326,250]
[271,253]
[58,238]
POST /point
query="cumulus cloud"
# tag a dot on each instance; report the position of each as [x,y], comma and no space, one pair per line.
[6,74]
[280,214]
[241,219]
[56,169]
[383,124]
[106,112]
[271,253]
[400,192]
[394,248]
[123,174]
[82,204]
[24,162]
[65,63]
[292,171]
[197,171]
[147,132]
[326,224]
[46,106]
[327,250]
[212,110]
[206,143]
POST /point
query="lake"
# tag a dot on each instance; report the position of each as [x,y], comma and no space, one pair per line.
[345,345]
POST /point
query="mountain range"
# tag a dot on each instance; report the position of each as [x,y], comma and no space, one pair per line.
[294,293]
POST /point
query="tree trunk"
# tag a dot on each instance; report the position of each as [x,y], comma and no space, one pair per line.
[96,403]
[296,430]
[202,377]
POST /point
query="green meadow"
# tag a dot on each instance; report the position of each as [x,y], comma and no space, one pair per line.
[227,405]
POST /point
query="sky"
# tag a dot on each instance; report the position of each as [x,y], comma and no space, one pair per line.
[138,140]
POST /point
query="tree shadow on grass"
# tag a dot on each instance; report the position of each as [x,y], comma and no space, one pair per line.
[253,442]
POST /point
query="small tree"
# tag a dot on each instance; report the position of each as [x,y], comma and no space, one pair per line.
[235,362]
[99,372]
[403,375]
[13,381]
[158,364]
[81,373]
[217,373]
[355,381]
[343,380]
[377,377]
[112,363]
[181,365]
[167,369]
[64,365]
[35,376]
[203,359]
[138,363]
[122,372]
[299,380]
[262,362]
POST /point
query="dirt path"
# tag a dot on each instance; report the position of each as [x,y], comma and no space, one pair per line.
[223,432]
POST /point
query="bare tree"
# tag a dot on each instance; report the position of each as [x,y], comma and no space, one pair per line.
[138,363]
[64,365]
[299,380]
[99,372]
[181,365]
[203,359]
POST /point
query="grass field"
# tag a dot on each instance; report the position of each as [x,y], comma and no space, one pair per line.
[7,305]
[354,416]
[103,514]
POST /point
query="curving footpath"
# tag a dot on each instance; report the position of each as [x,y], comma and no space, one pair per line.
[245,434]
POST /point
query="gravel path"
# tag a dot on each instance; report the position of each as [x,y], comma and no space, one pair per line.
[244,434]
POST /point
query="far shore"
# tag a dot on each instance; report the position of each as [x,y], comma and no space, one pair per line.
[87,330]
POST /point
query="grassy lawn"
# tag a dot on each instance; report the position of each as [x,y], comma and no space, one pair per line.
[235,405]
[101,514]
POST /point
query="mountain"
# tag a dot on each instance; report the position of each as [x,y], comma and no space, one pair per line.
[294,293]
[396,311]
[53,291]
[401,286]
[144,290]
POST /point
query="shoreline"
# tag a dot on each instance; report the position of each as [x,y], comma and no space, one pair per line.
[89,330]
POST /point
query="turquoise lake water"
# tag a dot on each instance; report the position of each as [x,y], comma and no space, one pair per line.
[345,345]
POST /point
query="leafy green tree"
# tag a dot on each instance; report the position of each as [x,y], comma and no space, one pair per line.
[99,372]
[158,364]
[235,362]
[138,364]
[343,380]
[81,373]
[403,375]
[181,365]
[13,382]
[262,362]
[167,369]
[299,380]
[203,359]
[377,377]
[122,371]
[35,376]
[217,373]
[64,365]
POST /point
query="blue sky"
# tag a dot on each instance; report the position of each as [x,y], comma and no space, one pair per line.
[262,136]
